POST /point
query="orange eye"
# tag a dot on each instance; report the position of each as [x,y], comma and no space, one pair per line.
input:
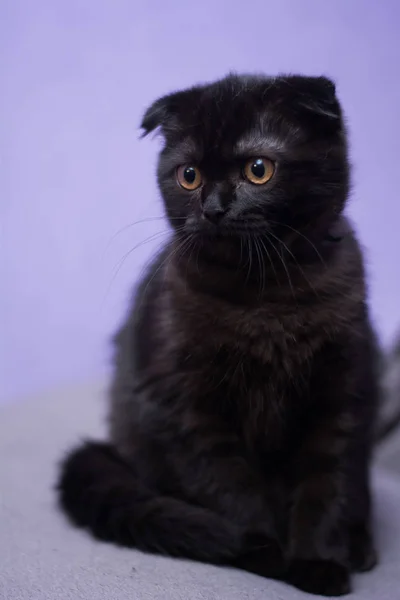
[189,177]
[258,170]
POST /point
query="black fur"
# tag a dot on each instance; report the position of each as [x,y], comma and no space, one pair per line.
[125,511]
[242,410]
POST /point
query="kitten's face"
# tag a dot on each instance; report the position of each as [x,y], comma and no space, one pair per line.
[252,156]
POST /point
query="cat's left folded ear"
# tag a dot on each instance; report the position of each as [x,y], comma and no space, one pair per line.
[320,97]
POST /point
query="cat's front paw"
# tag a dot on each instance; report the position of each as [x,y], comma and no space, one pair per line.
[322,577]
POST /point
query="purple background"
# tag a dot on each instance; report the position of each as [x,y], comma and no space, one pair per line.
[75,79]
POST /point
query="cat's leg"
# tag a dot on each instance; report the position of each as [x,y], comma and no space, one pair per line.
[212,471]
[330,468]
[199,460]
[354,539]
[362,552]
[318,536]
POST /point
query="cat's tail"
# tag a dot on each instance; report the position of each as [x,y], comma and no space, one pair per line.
[100,491]
[389,418]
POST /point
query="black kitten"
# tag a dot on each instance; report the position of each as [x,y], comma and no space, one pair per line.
[243,404]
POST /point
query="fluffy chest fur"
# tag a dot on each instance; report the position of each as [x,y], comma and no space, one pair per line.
[251,365]
[280,331]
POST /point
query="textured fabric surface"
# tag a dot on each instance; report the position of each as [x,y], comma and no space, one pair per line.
[43,558]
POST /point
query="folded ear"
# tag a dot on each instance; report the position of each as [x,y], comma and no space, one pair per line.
[317,95]
[321,86]
[321,97]
[156,115]
[165,111]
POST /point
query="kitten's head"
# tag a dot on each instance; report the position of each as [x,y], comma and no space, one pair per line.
[250,155]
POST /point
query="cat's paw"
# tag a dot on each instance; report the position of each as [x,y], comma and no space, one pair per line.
[321,577]
[362,553]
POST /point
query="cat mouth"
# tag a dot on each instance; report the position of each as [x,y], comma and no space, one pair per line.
[227,229]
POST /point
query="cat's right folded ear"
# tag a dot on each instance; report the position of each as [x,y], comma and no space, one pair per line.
[156,115]
[167,110]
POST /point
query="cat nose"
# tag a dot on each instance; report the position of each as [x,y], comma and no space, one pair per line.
[213,213]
